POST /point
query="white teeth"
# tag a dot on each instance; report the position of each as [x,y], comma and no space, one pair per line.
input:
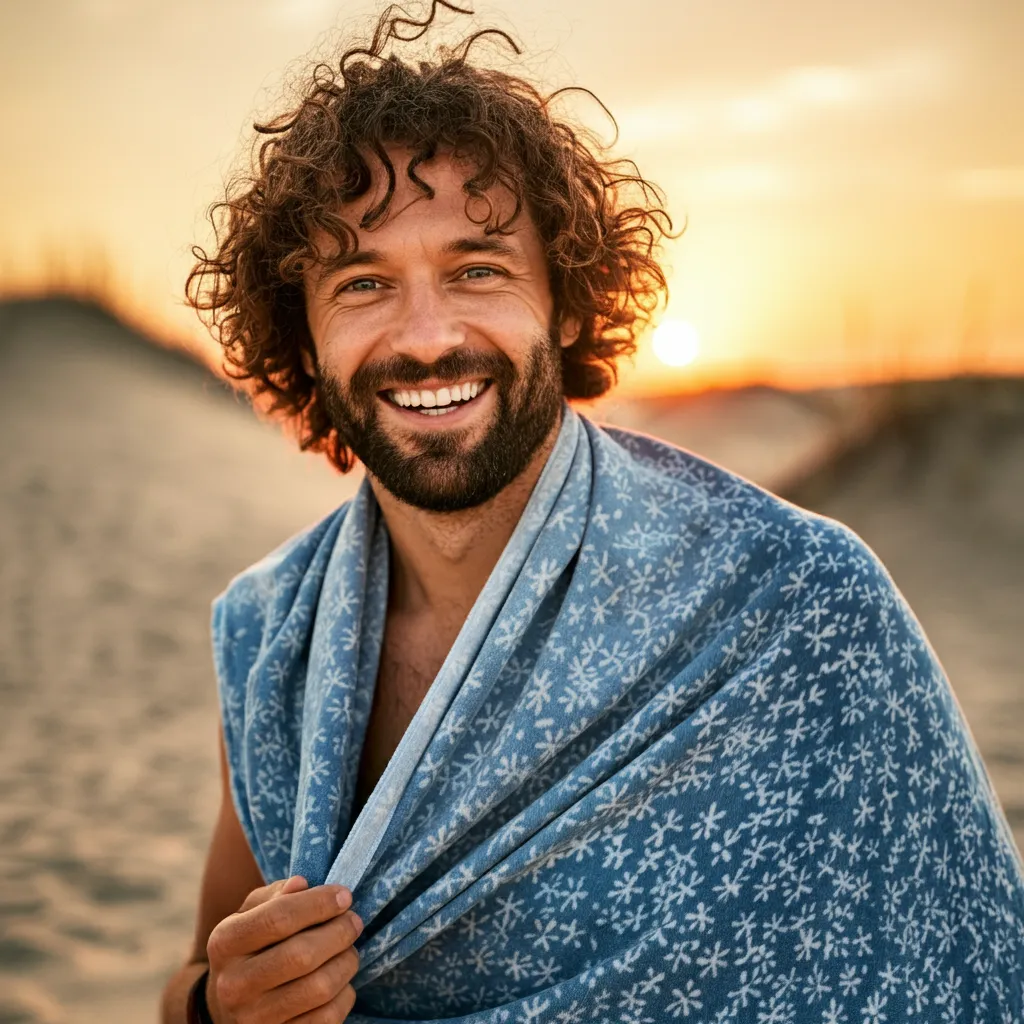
[437,401]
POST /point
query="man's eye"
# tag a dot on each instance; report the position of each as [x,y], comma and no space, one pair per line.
[479,272]
[363,284]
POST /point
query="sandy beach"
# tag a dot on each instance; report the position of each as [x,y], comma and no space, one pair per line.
[134,486]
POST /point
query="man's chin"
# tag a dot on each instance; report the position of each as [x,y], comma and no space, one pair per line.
[433,488]
[423,446]
[427,469]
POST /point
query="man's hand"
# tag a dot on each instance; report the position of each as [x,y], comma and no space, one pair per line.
[286,955]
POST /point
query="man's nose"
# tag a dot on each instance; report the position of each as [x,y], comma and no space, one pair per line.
[428,328]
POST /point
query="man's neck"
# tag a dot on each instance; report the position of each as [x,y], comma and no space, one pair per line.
[440,561]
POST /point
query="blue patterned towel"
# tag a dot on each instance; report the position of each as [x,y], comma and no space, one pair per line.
[690,758]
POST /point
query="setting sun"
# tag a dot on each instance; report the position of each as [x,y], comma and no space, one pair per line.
[676,342]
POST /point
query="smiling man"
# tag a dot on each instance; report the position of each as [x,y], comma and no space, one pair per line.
[436,353]
[549,723]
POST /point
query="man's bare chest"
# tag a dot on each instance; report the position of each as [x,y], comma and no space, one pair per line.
[411,656]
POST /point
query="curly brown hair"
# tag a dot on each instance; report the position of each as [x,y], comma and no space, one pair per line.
[600,222]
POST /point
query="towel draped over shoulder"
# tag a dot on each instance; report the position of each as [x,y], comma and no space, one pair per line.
[690,758]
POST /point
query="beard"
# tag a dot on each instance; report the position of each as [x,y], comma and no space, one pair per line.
[437,470]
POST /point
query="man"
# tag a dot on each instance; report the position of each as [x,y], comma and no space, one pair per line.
[583,728]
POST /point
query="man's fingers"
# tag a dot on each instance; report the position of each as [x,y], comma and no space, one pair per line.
[313,992]
[294,884]
[301,954]
[330,1013]
[275,917]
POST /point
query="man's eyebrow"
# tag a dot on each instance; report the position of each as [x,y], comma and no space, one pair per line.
[457,247]
[355,258]
[487,244]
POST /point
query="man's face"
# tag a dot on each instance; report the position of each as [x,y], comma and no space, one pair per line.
[436,357]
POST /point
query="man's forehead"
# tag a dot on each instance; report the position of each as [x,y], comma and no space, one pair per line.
[446,170]
[451,221]
[445,175]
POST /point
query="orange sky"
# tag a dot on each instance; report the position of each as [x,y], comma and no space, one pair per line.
[852,174]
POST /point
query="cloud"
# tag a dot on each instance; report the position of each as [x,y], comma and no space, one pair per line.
[989,184]
[114,10]
[740,181]
[297,13]
[796,94]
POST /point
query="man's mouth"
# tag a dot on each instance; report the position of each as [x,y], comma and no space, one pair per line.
[439,401]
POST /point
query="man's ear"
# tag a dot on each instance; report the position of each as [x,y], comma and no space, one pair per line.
[308,362]
[569,330]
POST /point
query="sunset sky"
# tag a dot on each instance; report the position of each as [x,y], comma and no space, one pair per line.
[851,174]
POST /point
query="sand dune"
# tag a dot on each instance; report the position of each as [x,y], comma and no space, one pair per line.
[134,486]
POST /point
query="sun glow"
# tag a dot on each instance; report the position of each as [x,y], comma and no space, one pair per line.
[676,342]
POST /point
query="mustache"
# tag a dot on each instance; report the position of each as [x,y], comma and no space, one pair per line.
[399,370]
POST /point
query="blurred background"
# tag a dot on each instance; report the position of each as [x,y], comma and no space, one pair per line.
[846,327]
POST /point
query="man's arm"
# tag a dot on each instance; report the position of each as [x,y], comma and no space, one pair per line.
[277,952]
[229,876]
